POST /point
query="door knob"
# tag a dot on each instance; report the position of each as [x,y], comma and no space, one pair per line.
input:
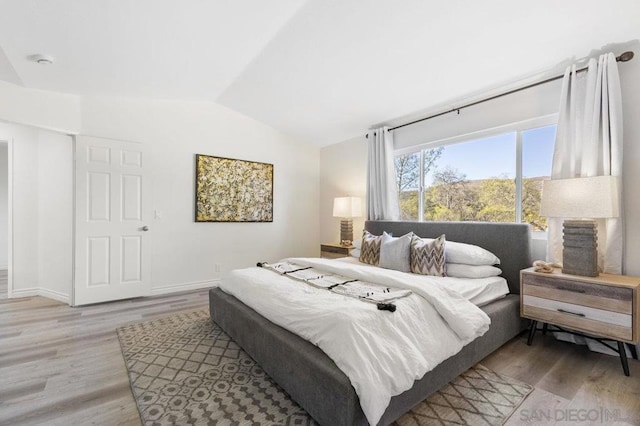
[145,228]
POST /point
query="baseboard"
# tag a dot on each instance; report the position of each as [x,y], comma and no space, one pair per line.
[39,291]
[174,288]
[55,295]
[25,292]
[61,297]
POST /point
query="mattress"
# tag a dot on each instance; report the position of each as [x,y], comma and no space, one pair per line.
[381,353]
[478,291]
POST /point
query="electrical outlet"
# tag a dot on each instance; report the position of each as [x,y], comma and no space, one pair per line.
[217,267]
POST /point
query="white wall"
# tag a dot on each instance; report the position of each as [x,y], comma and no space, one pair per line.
[39,108]
[185,253]
[42,211]
[25,207]
[4,187]
[55,215]
[630,83]
[42,194]
[542,100]
[343,173]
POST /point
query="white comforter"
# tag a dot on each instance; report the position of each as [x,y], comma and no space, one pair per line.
[382,353]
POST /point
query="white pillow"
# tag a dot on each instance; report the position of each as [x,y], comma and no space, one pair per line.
[467,254]
[354,252]
[459,270]
[357,243]
[395,252]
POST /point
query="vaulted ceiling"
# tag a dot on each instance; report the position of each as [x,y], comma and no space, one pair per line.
[321,70]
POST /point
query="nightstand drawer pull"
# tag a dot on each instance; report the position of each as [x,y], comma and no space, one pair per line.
[571,313]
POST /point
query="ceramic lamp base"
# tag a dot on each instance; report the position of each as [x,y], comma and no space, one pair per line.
[346,232]
[580,248]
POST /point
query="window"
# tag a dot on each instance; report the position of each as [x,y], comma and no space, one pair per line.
[495,178]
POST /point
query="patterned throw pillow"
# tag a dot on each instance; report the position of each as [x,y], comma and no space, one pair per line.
[370,251]
[427,256]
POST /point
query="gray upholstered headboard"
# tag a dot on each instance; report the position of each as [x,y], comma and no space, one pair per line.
[509,241]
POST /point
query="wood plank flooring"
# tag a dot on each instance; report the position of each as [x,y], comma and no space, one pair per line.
[63,366]
[570,381]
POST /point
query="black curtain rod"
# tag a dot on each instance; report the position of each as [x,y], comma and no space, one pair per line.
[624,57]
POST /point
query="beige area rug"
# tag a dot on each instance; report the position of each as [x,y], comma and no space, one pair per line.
[184,370]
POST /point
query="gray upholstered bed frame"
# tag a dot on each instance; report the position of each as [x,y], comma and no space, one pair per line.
[312,378]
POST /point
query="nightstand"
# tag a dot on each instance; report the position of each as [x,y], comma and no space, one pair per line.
[334,251]
[604,307]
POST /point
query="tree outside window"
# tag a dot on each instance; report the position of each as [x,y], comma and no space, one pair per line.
[477,180]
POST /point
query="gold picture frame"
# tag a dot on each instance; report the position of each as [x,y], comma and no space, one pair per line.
[231,190]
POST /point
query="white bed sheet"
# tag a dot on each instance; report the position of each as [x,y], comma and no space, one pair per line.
[382,353]
[478,291]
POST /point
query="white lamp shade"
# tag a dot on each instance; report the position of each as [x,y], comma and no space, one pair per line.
[589,197]
[347,207]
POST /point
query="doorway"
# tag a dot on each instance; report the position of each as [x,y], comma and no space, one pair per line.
[39,210]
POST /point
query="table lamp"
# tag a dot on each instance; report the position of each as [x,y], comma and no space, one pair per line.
[347,208]
[584,199]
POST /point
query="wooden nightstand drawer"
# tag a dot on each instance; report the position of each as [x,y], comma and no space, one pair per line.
[333,251]
[583,318]
[616,299]
[578,287]
[331,255]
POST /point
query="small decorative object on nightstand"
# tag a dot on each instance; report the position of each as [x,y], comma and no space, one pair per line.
[606,307]
[334,251]
[347,208]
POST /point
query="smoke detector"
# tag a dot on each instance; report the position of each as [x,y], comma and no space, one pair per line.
[42,59]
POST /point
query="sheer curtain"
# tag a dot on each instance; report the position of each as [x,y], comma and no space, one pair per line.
[382,193]
[589,143]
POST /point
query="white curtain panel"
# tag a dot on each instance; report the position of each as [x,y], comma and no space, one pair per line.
[589,143]
[382,193]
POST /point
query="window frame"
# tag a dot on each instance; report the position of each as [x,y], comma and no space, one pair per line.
[517,127]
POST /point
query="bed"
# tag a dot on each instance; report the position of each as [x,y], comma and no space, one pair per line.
[320,387]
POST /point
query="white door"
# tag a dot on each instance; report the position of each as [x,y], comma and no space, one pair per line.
[112,255]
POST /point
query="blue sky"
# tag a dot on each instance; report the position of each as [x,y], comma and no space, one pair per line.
[495,156]
[537,151]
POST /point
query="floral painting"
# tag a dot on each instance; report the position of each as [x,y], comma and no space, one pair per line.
[229,190]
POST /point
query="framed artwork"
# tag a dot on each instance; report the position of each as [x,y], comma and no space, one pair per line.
[230,190]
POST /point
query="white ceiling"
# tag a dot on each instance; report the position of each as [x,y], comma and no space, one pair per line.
[321,70]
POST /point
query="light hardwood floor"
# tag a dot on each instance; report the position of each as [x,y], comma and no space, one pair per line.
[570,383]
[63,366]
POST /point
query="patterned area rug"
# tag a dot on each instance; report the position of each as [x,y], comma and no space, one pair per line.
[478,396]
[184,370]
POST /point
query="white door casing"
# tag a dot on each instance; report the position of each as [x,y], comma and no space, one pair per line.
[112,250]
